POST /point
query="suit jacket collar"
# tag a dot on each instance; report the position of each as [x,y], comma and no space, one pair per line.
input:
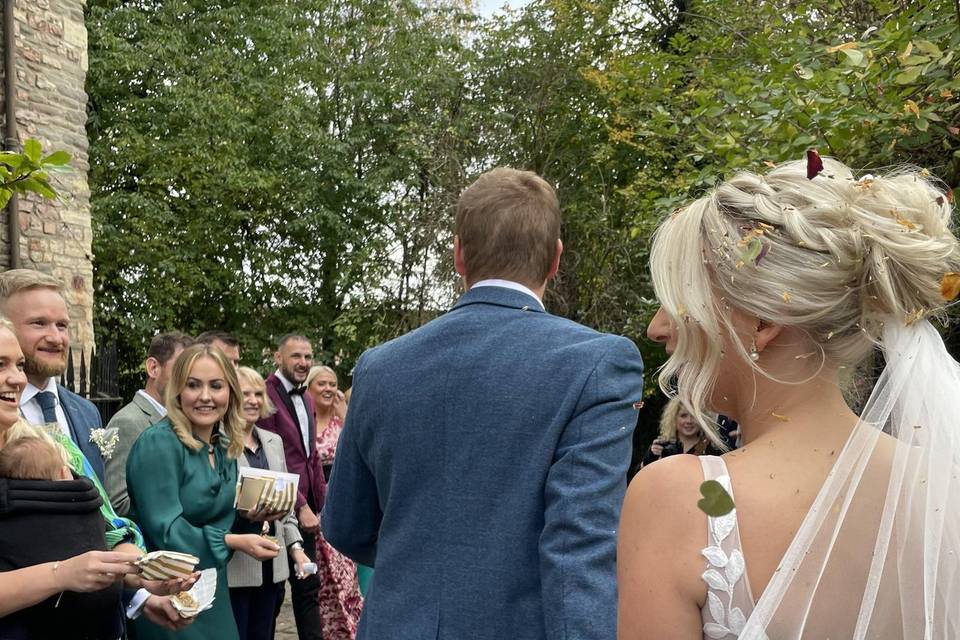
[147,407]
[499,296]
[277,384]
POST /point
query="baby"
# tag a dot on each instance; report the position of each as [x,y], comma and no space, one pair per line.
[34,458]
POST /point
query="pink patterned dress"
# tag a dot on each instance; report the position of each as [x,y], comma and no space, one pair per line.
[340,599]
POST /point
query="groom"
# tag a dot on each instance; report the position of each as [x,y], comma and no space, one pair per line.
[482,466]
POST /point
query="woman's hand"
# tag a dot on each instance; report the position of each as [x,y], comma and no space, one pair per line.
[300,559]
[656,448]
[257,547]
[167,587]
[94,570]
[264,515]
[340,405]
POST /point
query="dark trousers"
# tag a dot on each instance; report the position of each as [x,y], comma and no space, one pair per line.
[305,594]
[254,608]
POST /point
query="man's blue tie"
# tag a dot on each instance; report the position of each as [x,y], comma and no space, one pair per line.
[48,404]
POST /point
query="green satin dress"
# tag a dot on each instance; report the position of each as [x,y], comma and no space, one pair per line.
[184,504]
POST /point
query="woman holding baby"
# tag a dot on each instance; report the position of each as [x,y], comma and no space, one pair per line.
[70,585]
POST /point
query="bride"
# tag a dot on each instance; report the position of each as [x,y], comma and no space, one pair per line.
[772,289]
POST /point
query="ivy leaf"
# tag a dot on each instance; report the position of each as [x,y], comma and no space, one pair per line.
[805,73]
[716,502]
[5,195]
[31,149]
[56,159]
[11,159]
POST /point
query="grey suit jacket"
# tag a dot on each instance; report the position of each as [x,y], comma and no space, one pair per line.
[130,422]
[244,571]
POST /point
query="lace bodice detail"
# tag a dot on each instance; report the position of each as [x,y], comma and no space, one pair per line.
[729,600]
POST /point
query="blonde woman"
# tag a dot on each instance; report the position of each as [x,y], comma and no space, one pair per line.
[771,287]
[679,433]
[330,409]
[340,598]
[256,588]
[182,475]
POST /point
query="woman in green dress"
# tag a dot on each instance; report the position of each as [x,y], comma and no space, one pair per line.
[182,476]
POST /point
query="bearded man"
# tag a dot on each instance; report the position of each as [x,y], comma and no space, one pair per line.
[34,303]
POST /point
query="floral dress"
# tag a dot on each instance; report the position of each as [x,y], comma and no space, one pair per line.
[340,599]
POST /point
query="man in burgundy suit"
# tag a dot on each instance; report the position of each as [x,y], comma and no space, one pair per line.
[294,422]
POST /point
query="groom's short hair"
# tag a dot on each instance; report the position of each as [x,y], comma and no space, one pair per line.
[508,222]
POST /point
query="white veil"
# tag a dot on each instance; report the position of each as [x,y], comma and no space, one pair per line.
[878,554]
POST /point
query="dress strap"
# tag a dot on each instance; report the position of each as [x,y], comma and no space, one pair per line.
[714,467]
[729,600]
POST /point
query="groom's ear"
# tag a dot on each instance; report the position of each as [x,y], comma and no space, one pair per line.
[555,265]
[459,263]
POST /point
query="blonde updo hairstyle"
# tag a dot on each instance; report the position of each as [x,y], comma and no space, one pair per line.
[838,257]
[232,426]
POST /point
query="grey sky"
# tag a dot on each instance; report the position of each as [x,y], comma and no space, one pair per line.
[487,7]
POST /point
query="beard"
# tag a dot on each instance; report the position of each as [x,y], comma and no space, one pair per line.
[293,376]
[46,369]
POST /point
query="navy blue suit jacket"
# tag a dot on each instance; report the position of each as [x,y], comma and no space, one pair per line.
[482,471]
[82,416]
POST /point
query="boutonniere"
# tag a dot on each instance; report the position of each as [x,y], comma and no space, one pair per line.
[106,440]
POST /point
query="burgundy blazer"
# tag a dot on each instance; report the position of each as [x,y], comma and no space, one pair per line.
[313,487]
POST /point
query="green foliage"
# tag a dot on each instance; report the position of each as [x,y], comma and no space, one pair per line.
[264,167]
[270,167]
[28,172]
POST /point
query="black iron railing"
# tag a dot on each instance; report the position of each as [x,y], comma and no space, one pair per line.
[99,382]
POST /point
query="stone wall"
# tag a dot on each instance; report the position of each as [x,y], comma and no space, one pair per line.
[51,43]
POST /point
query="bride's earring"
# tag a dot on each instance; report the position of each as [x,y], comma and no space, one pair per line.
[754,354]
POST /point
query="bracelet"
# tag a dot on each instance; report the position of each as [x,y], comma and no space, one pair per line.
[56,565]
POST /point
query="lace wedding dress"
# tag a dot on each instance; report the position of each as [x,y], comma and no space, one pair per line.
[878,554]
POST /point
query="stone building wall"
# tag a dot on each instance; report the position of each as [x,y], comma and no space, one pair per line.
[51,43]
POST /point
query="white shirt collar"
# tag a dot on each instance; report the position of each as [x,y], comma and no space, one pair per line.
[283,380]
[509,284]
[30,391]
[162,410]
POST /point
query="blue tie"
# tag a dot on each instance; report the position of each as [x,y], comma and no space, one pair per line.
[48,404]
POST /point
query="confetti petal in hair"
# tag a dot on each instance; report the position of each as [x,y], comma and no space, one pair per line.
[814,164]
[754,247]
[903,222]
[770,164]
[787,297]
[914,316]
[950,286]
[765,249]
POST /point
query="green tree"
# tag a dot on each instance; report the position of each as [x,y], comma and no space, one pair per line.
[259,167]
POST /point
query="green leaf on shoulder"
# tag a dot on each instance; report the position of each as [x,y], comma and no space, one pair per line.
[716,502]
